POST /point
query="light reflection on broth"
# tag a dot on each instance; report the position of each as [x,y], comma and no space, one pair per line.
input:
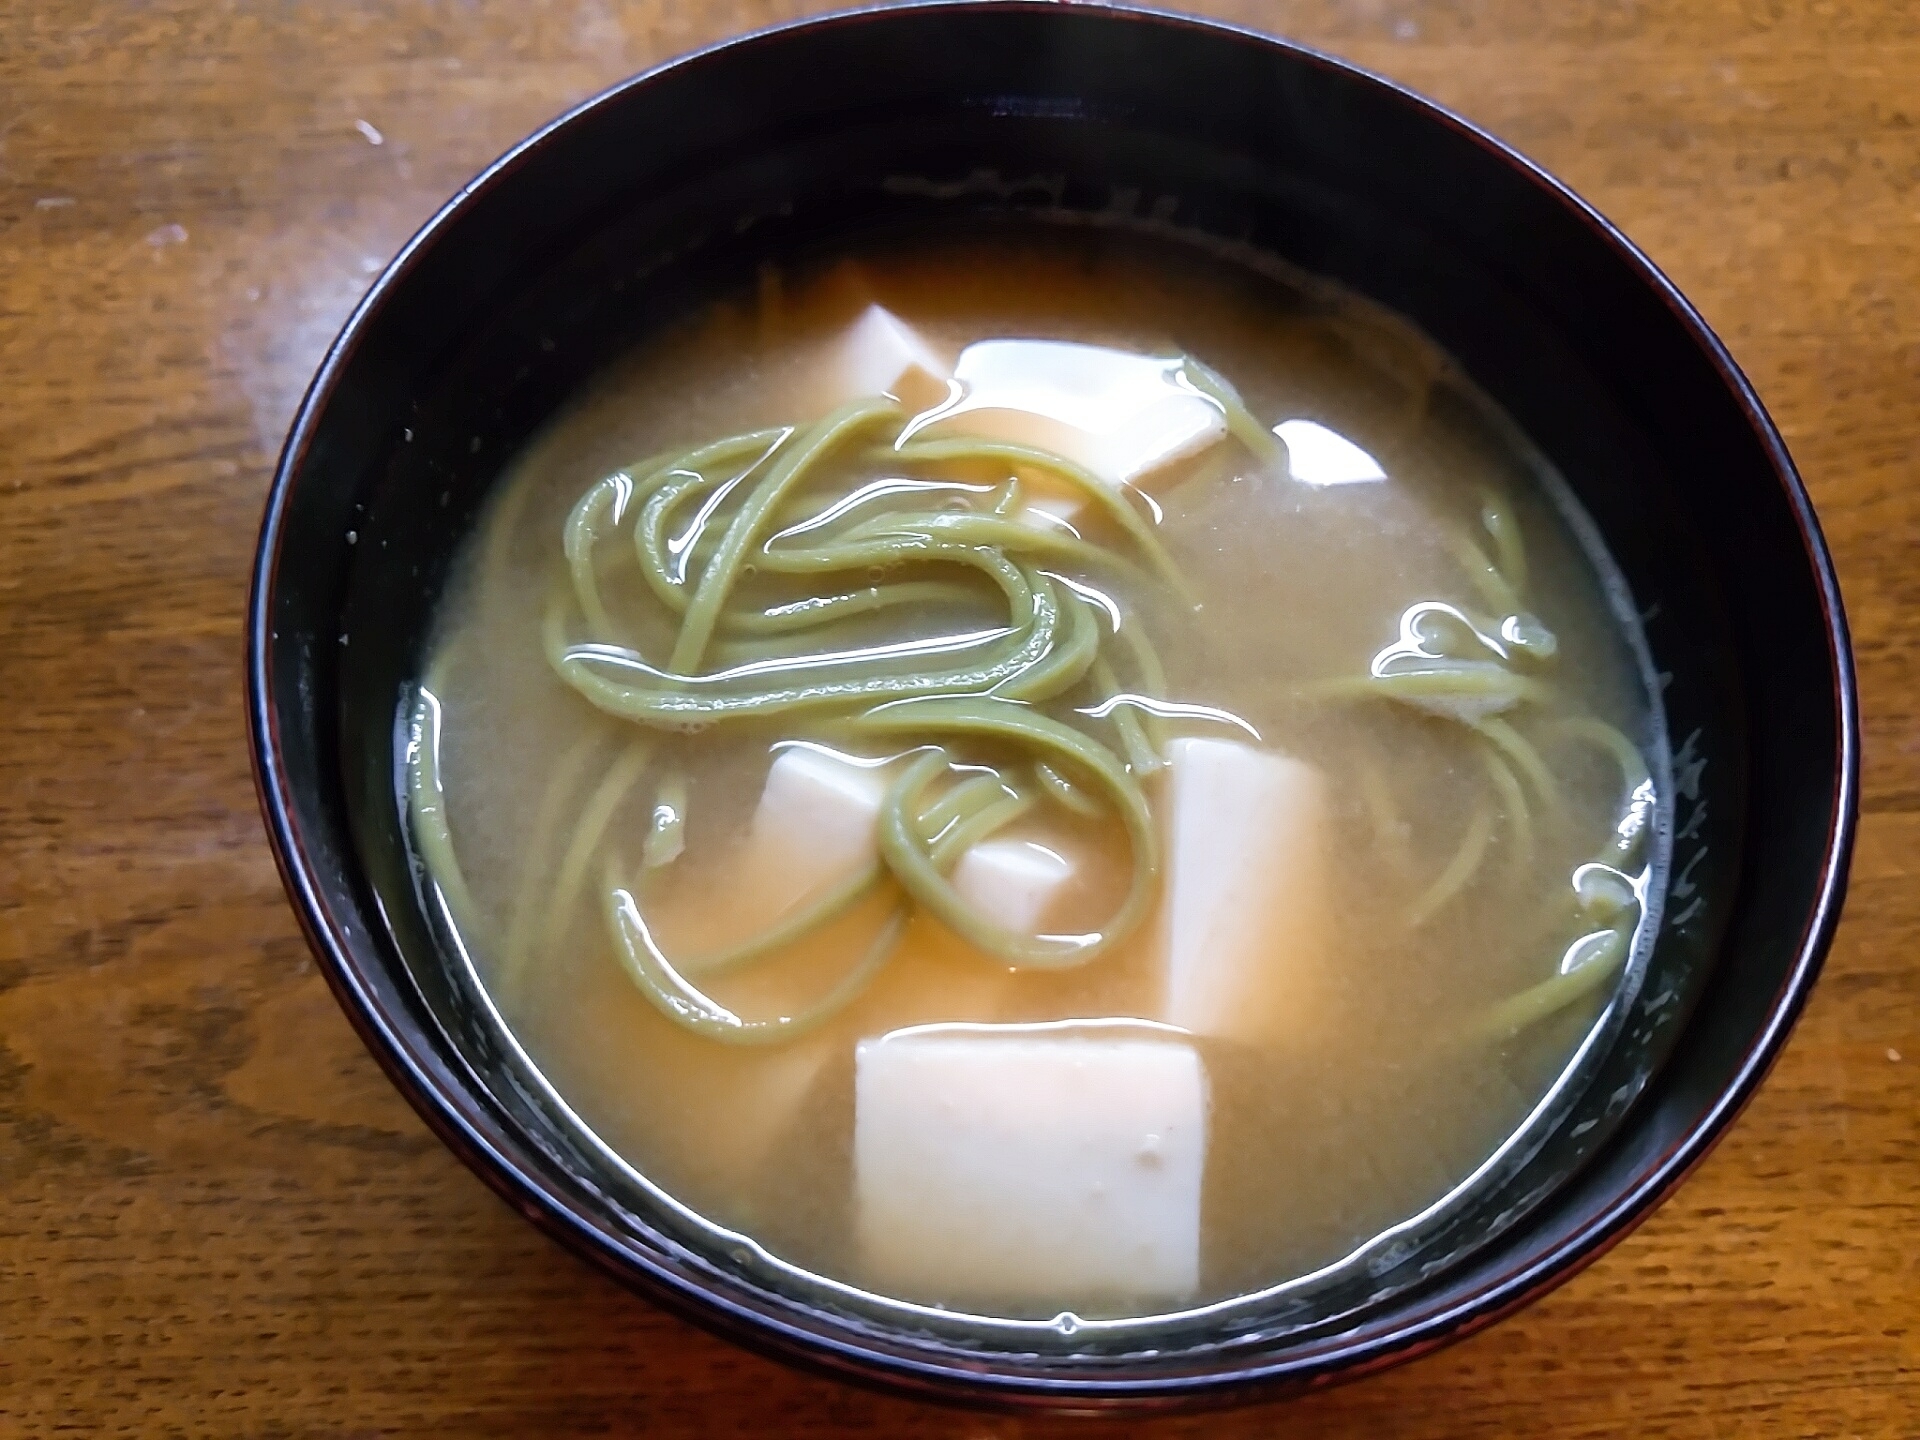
[1384,735]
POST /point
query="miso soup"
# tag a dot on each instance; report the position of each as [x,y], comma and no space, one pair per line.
[1044,773]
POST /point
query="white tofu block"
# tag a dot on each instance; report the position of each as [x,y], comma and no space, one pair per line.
[1319,456]
[1021,1166]
[1012,882]
[1120,415]
[814,827]
[880,354]
[1246,904]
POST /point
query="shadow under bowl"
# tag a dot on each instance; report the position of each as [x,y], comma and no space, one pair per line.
[677,184]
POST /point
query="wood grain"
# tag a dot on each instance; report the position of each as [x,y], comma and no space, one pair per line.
[219,1220]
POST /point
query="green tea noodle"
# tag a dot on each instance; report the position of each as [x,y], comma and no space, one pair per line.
[688,1006]
[427,807]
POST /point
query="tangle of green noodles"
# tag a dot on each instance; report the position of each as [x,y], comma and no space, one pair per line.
[1486,696]
[919,870]
[713,535]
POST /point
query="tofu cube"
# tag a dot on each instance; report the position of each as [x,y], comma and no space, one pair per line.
[1012,882]
[814,827]
[1120,415]
[1319,456]
[1027,1167]
[880,354]
[1245,929]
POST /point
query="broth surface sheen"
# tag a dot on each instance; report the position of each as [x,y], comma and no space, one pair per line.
[1450,893]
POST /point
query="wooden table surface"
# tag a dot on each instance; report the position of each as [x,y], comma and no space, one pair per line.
[219,1219]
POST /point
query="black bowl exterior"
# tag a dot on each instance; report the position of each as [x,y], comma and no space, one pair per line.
[676,183]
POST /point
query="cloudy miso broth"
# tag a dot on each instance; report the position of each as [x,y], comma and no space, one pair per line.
[1042,773]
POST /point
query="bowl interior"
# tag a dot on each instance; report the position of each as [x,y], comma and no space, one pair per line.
[680,185]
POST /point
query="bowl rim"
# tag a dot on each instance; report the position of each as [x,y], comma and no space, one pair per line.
[841,1354]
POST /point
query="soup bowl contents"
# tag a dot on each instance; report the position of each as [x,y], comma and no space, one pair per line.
[1050,776]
